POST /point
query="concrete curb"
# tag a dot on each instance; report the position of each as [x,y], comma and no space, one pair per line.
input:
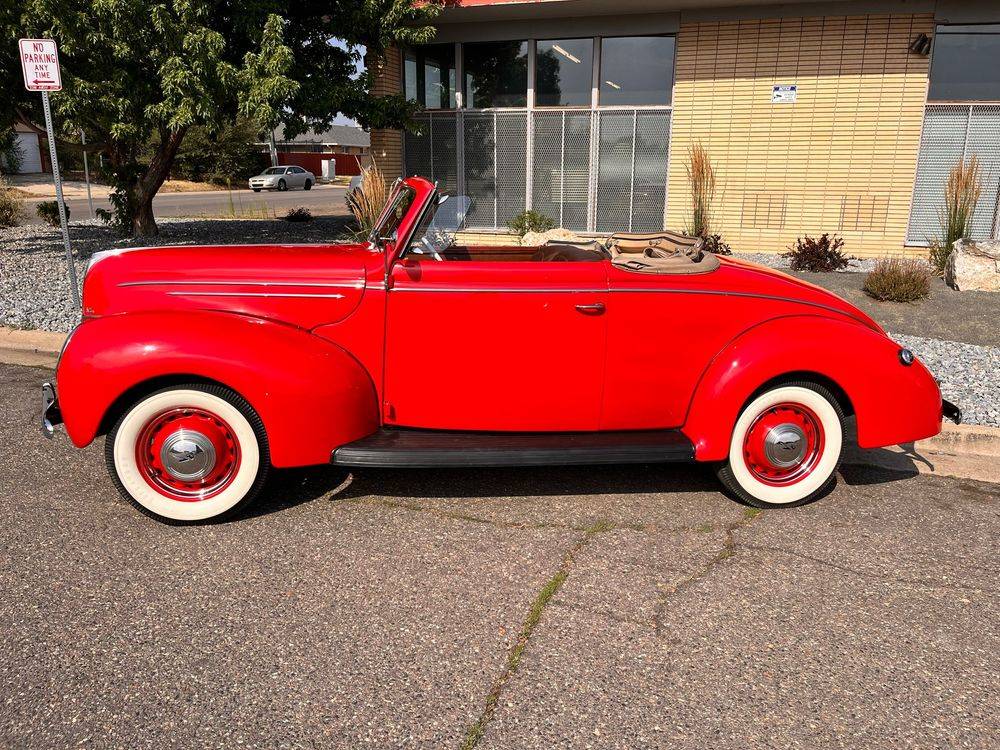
[966,451]
[32,348]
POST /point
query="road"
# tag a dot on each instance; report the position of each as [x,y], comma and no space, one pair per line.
[322,200]
[391,609]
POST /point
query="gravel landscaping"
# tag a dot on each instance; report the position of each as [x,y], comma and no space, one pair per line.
[34,293]
[778,261]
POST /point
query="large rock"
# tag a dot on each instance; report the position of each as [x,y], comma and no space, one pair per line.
[974,266]
[534,239]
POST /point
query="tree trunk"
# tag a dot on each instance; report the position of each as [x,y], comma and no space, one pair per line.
[144,223]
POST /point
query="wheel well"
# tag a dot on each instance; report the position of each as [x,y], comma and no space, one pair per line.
[143,389]
[810,377]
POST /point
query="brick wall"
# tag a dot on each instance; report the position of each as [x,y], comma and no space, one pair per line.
[387,145]
[841,159]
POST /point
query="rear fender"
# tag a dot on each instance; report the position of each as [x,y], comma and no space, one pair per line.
[311,395]
[893,403]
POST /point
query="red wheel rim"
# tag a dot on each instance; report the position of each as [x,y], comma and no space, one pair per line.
[783,444]
[216,453]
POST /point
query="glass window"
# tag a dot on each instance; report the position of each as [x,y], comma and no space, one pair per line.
[429,76]
[637,70]
[965,64]
[496,74]
[564,72]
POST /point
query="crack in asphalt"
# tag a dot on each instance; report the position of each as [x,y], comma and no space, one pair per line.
[870,576]
[725,552]
[477,730]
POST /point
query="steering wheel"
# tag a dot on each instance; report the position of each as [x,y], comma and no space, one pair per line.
[430,249]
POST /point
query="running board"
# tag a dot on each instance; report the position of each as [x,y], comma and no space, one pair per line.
[408,448]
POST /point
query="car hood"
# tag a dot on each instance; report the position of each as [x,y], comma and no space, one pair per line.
[743,277]
[304,285]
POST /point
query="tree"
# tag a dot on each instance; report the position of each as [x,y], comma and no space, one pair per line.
[141,73]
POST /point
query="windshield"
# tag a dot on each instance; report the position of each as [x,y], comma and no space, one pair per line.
[395,210]
[274,170]
[444,217]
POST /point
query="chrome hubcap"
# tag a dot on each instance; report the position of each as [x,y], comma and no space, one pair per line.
[187,455]
[785,445]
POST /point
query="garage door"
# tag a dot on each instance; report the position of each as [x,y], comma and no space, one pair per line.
[31,160]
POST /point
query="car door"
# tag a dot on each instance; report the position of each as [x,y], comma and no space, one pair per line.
[495,345]
[297,177]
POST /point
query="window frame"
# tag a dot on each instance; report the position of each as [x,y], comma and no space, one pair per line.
[945,30]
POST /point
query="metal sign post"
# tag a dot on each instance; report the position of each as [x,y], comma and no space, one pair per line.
[40,65]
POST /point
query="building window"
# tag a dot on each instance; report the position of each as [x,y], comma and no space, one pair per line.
[429,76]
[965,64]
[637,70]
[564,72]
[590,165]
[496,74]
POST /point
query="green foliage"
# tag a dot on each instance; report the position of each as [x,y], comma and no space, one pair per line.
[818,255]
[48,211]
[227,156]
[531,221]
[301,213]
[715,245]
[10,152]
[137,73]
[937,254]
[898,280]
[11,207]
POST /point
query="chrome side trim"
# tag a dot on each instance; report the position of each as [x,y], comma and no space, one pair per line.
[234,282]
[618,290]
[253,294]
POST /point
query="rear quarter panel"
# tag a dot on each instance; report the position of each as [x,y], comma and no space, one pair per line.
[893,403]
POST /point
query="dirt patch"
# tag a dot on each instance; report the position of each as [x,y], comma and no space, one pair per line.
[970,317]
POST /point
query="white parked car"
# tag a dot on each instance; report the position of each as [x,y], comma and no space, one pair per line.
[282,178]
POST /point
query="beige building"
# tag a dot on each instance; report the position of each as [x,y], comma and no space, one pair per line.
[818,117]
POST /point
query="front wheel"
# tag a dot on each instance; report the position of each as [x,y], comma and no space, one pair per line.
[188,453]
[282,186]
[786,446]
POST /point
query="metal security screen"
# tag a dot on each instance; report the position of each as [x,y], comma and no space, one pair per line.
[953,132]
[592,170]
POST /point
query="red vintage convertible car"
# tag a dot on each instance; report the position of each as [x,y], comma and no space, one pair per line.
[206,366]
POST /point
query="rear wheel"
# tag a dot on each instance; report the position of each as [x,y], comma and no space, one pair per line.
[308,185]
[786,447]
[188,453]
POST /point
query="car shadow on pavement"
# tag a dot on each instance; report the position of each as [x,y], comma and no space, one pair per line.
[287,488]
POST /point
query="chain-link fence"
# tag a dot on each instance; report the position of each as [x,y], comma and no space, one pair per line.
[590,170]
[953,132]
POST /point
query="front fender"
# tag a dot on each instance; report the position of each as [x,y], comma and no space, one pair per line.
[311,395]
[893,403]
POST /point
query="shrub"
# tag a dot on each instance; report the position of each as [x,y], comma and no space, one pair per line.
[531,221]
[817,255]
[367,201]
[715,245]
[961,197]
[701,182]
[48,211]
[11,207]
[299,214]
[898,280]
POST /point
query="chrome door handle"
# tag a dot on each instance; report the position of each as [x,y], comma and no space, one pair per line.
[595,308]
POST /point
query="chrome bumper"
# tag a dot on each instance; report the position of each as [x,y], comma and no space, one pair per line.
[51,415]
[950,411]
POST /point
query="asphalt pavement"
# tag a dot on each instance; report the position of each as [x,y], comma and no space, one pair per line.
[322,200]
[572,607]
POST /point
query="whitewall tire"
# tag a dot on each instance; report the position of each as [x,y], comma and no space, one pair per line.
[188,453]
[786,446]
